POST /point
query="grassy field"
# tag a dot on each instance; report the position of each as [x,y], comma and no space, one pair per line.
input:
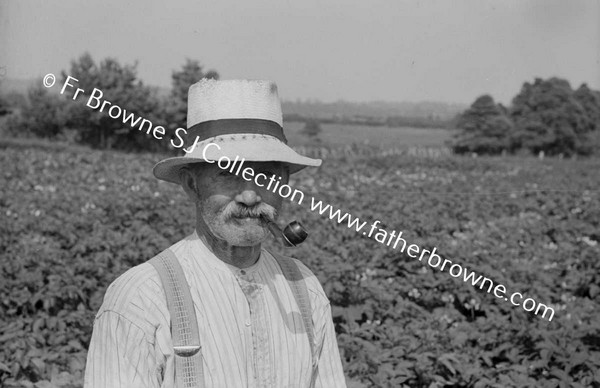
[340,135]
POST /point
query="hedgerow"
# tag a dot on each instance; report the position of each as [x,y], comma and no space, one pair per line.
[72,221]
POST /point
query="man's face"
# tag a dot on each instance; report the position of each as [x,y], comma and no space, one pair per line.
[231,206]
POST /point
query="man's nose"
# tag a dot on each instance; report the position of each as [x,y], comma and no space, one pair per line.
[248,198]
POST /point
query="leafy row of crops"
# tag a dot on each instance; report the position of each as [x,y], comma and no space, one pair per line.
[72,221]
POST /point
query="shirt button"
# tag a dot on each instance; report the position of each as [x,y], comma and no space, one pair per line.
[248,323]
[243,272]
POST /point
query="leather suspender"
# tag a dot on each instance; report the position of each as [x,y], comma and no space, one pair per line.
[184,328]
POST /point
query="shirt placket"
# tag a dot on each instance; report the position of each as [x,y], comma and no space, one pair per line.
[260,357]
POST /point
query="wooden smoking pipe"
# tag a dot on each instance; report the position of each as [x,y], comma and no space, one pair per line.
[291,236]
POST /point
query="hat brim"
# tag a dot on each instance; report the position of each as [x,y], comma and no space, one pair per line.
[250,147]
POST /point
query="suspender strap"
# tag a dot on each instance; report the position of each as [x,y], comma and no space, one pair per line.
[298,285]
[184,325]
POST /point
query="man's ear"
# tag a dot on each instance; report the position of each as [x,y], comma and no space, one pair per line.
[187,179]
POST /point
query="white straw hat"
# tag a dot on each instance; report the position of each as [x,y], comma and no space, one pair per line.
[241,118]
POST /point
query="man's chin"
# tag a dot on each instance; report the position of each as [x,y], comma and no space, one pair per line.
[245,232]
[246,241]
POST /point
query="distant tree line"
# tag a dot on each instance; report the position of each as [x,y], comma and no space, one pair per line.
[429,121]
[47,114]
[546,116]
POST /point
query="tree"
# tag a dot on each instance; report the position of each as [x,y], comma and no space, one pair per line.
[4,105]
[190,73]
[312,129]
[43,115]
[590,101]
[549,117]
[485,128]
[119,85]
[14,101]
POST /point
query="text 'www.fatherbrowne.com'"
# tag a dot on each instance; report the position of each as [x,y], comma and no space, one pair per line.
[394,240]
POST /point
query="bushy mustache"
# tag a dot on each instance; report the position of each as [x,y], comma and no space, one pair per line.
[236,210]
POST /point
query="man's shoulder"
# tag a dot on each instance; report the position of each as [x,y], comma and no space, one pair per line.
[141,281]
[137,294]
[135,283]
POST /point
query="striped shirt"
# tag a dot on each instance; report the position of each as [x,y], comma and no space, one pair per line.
[250,327]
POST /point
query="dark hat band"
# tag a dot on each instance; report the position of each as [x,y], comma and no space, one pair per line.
[208,129]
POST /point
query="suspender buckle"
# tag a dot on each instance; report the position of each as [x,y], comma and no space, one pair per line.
[186,351]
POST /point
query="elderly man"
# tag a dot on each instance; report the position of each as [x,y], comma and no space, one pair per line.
[244,321]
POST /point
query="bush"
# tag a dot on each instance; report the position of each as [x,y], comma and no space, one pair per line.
[549,117]
[486,129]
[119,85]
[546,116]
[312,129]
[44,115]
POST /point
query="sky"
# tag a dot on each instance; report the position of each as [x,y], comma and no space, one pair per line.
[447,51]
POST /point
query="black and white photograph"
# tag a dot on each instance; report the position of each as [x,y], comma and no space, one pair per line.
[301,194]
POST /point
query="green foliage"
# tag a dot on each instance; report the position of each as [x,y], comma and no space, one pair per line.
[74,220]
[69,117]
[590,101]
[14,101]
[485,128]
[546,116]
[43,115]
[120,86]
